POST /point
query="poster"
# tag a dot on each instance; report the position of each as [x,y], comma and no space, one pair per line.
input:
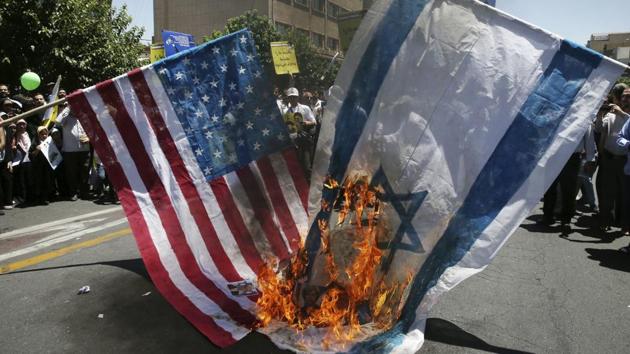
[284,60]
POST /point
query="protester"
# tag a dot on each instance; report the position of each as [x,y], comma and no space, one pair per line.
[303,119]
[22,164]
[623,141]
[6,93]
[76,154]
[567,183]
[43,176]
[612,159]
[7,106]
[61,187]
[5,164]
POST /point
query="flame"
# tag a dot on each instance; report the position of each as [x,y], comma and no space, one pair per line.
[356,293]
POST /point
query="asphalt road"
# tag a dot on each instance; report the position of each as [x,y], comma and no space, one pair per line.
[542,294]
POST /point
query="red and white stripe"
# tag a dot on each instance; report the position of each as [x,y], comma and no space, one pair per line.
[194,236]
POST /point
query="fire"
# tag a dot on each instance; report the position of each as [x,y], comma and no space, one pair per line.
[355,292]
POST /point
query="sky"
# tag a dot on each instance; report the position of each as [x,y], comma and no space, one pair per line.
[571,19]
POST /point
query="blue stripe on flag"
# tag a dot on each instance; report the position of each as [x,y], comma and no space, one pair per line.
[507,169]
[360,96]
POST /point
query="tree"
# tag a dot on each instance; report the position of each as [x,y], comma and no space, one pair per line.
[85,41]
[312,64]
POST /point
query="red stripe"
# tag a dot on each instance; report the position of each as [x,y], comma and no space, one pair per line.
[236,224]
[297,174]
[279,203]
[159,275]
[184,180]
[163,205]
[262,212]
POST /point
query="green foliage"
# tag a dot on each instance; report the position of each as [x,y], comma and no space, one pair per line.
[85,41]
[624,80]
[312,64]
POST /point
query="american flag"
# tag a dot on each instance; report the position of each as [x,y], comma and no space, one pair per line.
[205,171]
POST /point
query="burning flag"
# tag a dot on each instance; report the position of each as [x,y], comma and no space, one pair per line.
[446,124]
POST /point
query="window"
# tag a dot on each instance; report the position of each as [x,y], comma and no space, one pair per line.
[283,28]
[319,6]
[301,3]
[285,1]
[333,10]
[332,43]
[318,40]
[303,32]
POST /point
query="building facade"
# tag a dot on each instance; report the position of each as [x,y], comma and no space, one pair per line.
[317,19]
[614,45]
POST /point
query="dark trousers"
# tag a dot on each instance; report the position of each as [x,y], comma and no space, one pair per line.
[626,199]
[6,185]
[611,205]
[23,182]
[60,181]
[76,165]
[567,180]
[43,179]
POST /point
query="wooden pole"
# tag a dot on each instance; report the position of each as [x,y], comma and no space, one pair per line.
[32,112]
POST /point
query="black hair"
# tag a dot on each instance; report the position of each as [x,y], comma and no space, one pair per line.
[617,91]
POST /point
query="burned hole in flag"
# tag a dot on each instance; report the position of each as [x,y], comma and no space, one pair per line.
[349,291]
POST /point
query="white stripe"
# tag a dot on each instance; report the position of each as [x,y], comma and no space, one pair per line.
[158,234]
[203,188]
[249,217]
[290,193]
[185,218]
[263,189]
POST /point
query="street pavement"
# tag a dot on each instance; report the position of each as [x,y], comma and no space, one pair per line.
[542,294]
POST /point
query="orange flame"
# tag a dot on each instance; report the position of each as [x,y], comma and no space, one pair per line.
[354,295]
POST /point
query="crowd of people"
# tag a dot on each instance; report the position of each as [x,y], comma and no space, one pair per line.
[27,177]
[602,155]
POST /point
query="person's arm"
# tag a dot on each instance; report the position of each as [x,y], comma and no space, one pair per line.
[623,138]
[308,116]
[62,118]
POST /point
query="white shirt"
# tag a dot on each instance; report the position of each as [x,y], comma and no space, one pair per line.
[610,127]
[72,132]
[587,145]
[304,110]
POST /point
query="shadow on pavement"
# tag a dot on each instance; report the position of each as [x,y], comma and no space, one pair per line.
[613,259]
[133,265]
[442,331]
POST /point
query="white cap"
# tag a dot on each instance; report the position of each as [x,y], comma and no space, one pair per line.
[292,91]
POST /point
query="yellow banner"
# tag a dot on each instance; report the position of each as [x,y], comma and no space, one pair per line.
[157,53]
[284,59]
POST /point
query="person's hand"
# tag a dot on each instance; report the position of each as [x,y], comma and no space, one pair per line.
[616,109]
[10,167]
[84,139]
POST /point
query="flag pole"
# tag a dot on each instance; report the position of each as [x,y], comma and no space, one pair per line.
[32,112]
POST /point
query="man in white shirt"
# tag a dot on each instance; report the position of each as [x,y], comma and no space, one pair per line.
[612,158]
[294,106]
[305,127]
[76,154]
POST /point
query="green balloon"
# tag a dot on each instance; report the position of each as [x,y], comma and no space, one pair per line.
[30,80]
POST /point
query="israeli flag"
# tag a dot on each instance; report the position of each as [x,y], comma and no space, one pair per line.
[465,115]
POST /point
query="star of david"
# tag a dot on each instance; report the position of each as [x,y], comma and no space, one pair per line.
[406,214]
